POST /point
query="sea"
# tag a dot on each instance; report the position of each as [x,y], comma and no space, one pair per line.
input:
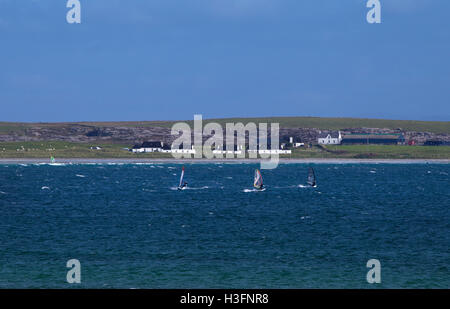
[129,227]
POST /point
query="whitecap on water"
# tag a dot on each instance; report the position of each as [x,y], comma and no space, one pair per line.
[45,188]
[148,190]
[79,175]
[190,188]
[286,187]
[198,188]
[250,190]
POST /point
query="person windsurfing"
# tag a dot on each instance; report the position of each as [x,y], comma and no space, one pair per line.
[312,178]
[183,184]
[258,182]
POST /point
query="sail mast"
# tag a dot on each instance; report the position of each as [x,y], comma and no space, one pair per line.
[182,176]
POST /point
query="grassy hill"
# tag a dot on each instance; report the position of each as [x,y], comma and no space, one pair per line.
[285,122]
[72,148]
[82,150]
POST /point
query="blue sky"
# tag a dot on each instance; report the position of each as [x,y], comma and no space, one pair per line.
[167,59]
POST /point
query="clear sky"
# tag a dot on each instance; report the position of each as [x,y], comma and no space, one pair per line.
[168,60]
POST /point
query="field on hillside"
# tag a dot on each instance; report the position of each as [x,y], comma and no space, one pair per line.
[69,150]
[374,152]
[285,122]
[82,150]
[343,123]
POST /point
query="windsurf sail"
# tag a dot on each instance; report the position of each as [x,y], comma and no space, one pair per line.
[181,178]
[258,179]
[311,177]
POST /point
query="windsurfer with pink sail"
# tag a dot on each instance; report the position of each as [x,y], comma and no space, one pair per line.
[258,182]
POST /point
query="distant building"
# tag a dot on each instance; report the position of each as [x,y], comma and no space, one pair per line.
[333,138]
[295,144]
[291,144]
[166,148]
[223,149]
[180,149]
[269,150]
[386,139]
[148,147]
[218,149]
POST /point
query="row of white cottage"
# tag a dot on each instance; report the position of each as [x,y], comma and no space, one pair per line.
[160,147]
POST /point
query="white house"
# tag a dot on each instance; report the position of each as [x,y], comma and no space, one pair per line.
[180,150]
[292,144]
[148,147]
[333,138]
[268,150]
[223,149]
[220,149]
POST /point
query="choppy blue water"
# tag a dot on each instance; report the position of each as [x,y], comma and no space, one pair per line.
[130,228]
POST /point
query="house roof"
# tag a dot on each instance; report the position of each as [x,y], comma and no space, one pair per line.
[181,146]
[332,134]
[373,136]
[151,145]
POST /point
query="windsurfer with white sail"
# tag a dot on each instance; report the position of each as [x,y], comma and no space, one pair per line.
[183,184]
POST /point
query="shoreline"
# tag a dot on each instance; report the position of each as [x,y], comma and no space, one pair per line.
[237,161]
